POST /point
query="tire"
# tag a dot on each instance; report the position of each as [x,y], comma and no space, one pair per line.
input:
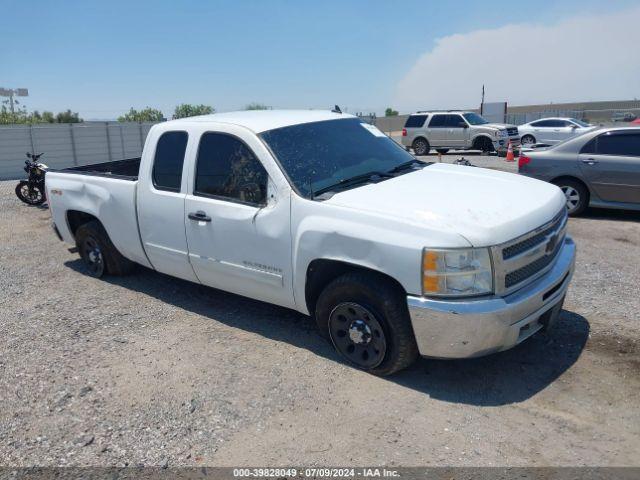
[442,150]
[364,312]
[528,140]
[484,144]
[576,194]
[421,146]
[33,197]
[98,253]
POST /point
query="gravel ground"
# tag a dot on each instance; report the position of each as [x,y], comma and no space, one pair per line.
[150,370]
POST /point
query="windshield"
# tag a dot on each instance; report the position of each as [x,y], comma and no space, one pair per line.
[475,119]
[580,122]
[319,154]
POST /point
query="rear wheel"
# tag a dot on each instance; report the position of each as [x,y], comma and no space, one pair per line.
[366,318]
[528,140]
[576,194]
[442,150]
[421,146]
[98,253]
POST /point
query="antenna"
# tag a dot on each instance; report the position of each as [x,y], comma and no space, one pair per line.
[336,109]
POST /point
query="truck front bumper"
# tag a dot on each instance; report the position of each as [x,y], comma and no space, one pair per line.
[476,327]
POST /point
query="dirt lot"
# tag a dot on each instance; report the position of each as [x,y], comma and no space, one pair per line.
[150,370]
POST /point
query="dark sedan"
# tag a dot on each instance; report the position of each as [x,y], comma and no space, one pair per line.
[599,169]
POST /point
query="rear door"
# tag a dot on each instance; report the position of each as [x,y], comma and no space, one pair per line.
[437,130]
[237,221]
[543,131]
[610,163]
[161,198]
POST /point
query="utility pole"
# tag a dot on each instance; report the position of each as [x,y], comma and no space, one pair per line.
[11,93]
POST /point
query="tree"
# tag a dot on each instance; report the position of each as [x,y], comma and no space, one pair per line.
[390,112]
[21,116]
[147,115]
[257,106]
[68,117]
[188,110]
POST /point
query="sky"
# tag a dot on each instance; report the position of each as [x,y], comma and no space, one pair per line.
[101,58]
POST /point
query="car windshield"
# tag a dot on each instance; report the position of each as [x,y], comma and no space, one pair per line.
[318,155]
[475,119]
[580,122]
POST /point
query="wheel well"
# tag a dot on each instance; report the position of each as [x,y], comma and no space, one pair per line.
[480,138]
[420,137]
[75,218]
[573,179]
[321,272]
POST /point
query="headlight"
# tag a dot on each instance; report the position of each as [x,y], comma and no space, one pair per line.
[456,272]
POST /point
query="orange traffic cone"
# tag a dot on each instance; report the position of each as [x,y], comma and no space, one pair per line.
[510,157]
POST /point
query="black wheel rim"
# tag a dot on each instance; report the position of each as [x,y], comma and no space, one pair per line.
[92,255]
[31,195]
[357,335]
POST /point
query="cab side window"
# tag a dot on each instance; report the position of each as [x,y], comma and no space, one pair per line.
[227,169]
[622,144]
[168,161]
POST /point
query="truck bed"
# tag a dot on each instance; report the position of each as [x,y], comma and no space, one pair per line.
[126,169]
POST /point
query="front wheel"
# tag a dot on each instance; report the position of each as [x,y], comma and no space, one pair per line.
[366,318]
[485,145]
[29,195]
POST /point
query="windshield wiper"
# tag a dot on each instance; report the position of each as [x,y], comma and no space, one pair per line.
[407,165]
[362,178]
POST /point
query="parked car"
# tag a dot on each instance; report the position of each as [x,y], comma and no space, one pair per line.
[623,117]
[600,168]
[552,130]
[445,130]
[321,213]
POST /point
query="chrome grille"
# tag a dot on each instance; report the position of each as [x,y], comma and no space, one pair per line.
[529,243]
[523,273]
[527,257]
[512,131]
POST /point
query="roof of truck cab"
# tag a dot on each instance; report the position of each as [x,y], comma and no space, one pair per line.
[263,120]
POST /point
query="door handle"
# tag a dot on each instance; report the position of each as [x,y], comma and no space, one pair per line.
[590,161]
[199,216]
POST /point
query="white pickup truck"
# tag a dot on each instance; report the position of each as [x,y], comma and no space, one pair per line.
[319,212]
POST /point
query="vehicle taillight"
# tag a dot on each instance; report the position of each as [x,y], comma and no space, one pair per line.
[523,160]
[404,132]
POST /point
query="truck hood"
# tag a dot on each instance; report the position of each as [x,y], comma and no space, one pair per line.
[486,207]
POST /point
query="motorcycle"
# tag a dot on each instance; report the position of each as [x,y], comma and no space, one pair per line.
[31,191]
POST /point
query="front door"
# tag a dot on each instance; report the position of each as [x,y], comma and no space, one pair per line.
[237,224]
[457,134]
[611,164]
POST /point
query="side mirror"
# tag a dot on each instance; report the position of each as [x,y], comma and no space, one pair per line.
[574,126]
[463,125]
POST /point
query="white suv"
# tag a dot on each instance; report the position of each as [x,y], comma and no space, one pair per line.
[460,130]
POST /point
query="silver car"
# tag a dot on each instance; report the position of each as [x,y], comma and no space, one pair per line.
[456,129]
[552,130]
[600,168]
